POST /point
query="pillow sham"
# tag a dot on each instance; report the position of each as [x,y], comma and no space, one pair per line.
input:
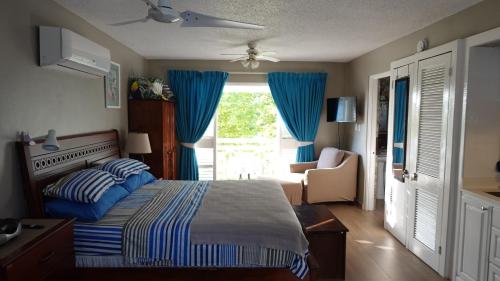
[85,186]
[134,182]
[124,167]
[60,208]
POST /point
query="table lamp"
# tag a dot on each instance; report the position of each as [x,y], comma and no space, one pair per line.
[138,143]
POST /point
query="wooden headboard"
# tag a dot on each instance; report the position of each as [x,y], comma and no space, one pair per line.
[40,167]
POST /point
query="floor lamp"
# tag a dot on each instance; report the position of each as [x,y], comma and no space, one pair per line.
[341,110]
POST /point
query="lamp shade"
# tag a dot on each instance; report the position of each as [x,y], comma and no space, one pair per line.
[51,143]
[342,109]
[138,143]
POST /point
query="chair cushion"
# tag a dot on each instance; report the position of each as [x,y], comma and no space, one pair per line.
[330,157]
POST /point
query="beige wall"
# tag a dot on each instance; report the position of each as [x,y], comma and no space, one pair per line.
[327,132]
[36,99]
[482,127]
[476,19]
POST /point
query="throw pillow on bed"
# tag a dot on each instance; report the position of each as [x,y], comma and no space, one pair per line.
[85,186]
[123,168]
[60,208]
[134,182]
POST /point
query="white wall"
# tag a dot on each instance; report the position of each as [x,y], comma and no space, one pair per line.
[476,19]
[36,99]
[482,127]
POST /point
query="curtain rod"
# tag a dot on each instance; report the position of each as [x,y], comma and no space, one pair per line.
[242,72]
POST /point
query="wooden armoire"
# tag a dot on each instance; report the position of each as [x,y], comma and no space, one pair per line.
[157,118]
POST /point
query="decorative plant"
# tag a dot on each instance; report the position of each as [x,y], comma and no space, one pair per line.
[149,89]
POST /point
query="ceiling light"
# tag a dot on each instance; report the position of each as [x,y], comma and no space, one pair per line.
[245,63]
[254,64]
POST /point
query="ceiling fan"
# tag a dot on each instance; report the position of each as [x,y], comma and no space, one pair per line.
[163,12]
[253,56]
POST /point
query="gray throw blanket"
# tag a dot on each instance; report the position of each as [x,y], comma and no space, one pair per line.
[248,213]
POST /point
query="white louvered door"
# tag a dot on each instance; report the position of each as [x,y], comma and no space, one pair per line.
[428,132]
[396,192]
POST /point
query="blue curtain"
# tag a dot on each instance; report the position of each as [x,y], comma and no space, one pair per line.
[299,99]
[197,96]
[400,109]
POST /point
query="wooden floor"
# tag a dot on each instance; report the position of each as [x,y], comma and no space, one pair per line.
[375,255]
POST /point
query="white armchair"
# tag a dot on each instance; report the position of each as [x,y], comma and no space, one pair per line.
[332,178]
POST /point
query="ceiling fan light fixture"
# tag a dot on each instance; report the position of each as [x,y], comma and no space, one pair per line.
[245,63]
[254,64]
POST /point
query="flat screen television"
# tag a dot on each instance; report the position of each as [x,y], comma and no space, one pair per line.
[341,109]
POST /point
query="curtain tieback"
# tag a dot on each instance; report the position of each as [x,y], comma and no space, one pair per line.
[305,143]
[398,145]
[186,144]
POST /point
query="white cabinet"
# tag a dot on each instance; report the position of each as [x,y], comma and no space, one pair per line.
[473,241]
[494,273]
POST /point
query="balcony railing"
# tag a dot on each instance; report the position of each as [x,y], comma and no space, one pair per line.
[240,158]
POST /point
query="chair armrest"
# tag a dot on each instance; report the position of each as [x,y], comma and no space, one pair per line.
[302,167]
[332,184]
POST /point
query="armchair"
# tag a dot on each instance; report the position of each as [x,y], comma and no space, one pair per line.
[329,184]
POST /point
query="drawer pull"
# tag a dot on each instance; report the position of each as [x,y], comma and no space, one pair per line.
[47,257]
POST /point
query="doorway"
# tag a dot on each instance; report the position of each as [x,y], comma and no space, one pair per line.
[377,108]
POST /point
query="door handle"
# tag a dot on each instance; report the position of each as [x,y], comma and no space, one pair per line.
[413,177]
[483,208]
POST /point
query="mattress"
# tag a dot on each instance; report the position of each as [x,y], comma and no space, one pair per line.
[101,244]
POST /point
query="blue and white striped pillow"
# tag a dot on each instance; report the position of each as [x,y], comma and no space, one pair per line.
[85,186]
[124,167]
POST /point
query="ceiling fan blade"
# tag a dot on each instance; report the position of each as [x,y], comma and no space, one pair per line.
[150,4]
[233,54]
[268,58]
[238,59]
[192,19]
[267,53]
[130,21]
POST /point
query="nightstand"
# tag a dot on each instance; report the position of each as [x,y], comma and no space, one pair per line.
[39,254]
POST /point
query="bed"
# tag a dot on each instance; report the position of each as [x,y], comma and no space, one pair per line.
[221,234]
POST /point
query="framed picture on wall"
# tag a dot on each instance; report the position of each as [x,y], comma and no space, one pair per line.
[112,86]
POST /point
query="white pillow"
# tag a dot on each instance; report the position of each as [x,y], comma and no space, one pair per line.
[330,157]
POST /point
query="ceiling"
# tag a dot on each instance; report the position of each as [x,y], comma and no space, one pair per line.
[298,30]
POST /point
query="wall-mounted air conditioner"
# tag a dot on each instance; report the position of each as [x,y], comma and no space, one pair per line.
[66,50]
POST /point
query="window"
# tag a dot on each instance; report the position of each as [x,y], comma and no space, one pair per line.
[287,148]
[247,138]
[205,153]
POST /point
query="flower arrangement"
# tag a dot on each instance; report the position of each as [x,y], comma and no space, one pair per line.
[149,89]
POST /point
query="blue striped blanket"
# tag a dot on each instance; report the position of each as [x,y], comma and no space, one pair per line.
[160,229]
[151,228]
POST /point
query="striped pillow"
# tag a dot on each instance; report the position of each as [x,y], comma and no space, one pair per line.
[123,168]
[85,186]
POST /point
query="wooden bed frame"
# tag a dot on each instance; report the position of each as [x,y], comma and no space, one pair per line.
[40,168]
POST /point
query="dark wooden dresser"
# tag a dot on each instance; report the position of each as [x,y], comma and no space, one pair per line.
[40,254]
[157,118]
[327,239]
